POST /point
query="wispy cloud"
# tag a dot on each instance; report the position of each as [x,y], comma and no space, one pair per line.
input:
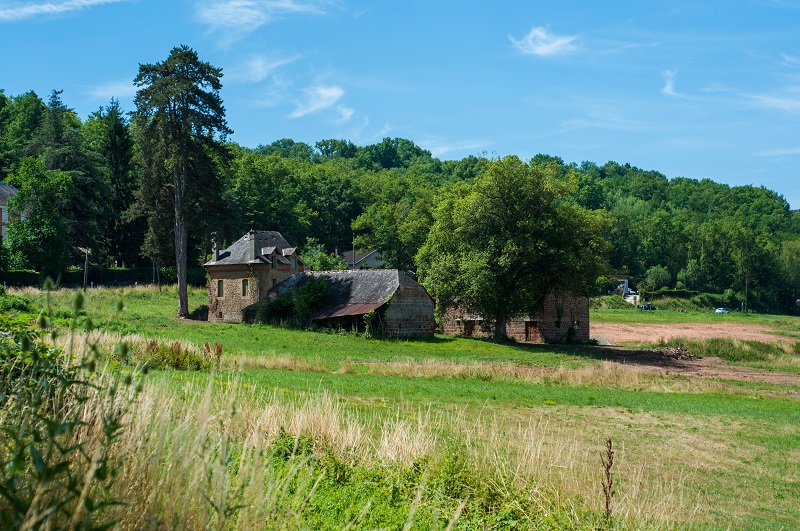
[779,152]
[113,89]
[790,59]
[439,148]
[258,67]
[20,12]
[787,103]
[604,120]
[669,84]
[239,17]
[345,113]
[542,43]
[317,98]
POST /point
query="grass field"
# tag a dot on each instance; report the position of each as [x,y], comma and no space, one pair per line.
[443,433]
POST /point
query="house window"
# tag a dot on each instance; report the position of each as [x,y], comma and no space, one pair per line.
[5,215]
[245,283]
[272,262]
[220,291]
[294,262]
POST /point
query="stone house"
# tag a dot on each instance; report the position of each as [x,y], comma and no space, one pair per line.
[246,272]
[6,192]
[363,259]
[395,304]
[559,317]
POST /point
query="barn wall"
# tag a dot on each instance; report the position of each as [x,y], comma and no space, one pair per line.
[410,313]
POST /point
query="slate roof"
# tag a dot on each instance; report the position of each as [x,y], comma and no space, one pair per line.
[6,191]
[266,242]
[351,292]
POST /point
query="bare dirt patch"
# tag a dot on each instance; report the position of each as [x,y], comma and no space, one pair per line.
[622,333]
[681,362]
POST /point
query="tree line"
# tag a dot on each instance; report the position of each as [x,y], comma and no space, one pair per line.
[126,183]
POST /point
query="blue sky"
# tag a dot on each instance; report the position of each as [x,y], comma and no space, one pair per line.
[694,89]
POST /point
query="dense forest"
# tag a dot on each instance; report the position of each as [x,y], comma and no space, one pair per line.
[83,184]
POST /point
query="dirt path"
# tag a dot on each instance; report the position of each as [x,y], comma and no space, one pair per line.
[681,362]
[619,333]
[667,361]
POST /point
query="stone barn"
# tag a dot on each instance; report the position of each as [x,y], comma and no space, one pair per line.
[246,272]
[558,318]
[400,306]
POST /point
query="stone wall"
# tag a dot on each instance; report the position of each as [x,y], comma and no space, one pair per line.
[558,318]
[410,313]
[261,279]
[228,308]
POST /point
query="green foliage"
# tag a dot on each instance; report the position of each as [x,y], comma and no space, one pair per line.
[173,356]
[498,246]
[181,123]
[316,259]
[56,466]
[296,307]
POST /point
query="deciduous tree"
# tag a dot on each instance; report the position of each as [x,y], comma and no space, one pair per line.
[498,246]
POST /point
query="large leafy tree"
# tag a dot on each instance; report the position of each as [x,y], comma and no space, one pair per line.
[497,247]
[181,119]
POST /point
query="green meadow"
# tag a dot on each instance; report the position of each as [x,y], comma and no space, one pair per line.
[312,429]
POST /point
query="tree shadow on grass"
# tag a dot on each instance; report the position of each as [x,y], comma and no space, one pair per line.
[659,357]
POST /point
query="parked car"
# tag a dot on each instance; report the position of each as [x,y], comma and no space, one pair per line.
[647,307]
[722,310]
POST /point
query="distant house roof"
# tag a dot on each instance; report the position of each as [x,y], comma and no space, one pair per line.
[6,191]
[255,247]
[360,254]
[352,292]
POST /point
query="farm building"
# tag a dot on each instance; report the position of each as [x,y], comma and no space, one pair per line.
[559,317]
[363,259]
[396,305]
[245,272]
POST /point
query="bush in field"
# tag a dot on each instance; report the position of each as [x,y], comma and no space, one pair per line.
[296,307]
[13,302]
[55,464]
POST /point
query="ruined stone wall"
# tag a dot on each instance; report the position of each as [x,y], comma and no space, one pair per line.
[558,318]
[410,313]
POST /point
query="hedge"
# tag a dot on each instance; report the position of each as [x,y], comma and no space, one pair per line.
[195,276]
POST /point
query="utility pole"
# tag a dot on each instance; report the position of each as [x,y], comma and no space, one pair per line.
[354,251]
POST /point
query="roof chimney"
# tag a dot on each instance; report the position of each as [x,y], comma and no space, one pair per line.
[253,252]
[216,251]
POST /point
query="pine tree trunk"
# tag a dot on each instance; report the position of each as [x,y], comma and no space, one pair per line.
[181,239]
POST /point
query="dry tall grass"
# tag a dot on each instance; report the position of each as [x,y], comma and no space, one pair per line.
[197,457]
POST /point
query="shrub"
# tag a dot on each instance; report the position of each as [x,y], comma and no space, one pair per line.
[55,464]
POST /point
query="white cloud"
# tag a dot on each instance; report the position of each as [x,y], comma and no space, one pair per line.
[669,83]
[50,8]
[240,17]
[544,44]
[257,68]
[345,113]
[317,98]
[113,89]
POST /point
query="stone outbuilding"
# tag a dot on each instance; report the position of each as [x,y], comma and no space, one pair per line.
[393,303]
[246,272]
[558,318]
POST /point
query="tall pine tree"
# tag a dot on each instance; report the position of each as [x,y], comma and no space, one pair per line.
[181,119]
